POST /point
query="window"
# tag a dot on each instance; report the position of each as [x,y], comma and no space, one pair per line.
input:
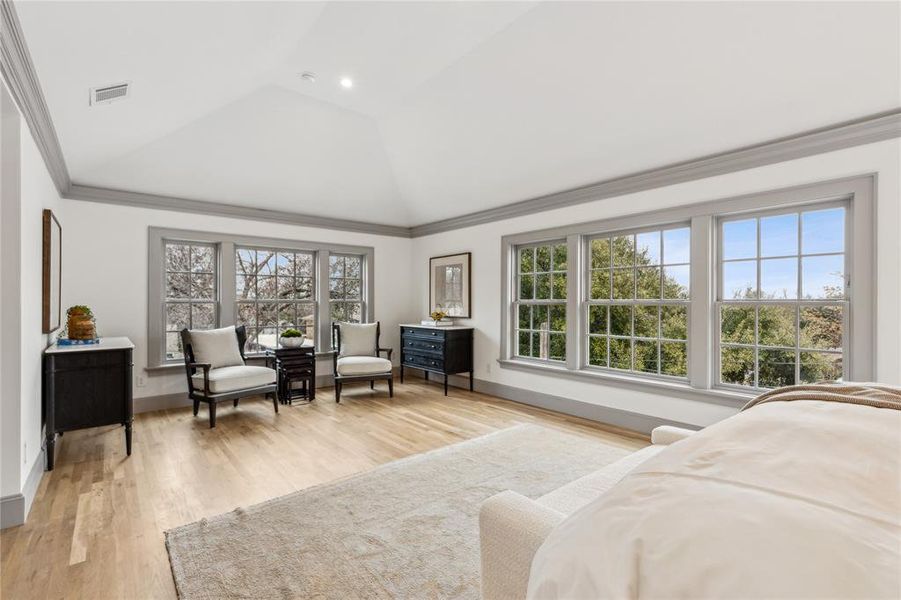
[541,302]
[200,279]
[637,301]
[345,280]
[719,299]
[274,292]
[190,292]
[782,297]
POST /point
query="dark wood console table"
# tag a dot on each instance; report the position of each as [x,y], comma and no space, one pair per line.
[294,365]
[87,386]
[441,350]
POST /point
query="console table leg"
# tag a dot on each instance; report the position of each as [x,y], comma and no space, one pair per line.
[470,381]
[401,373]
[51,446]
[128,439]
[445,384]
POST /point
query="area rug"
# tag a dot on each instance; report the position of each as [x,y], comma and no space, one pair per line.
[406,529]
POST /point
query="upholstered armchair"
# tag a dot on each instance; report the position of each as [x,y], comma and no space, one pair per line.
[217,371]
[356,356]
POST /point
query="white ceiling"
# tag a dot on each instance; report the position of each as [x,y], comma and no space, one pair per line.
[457,106]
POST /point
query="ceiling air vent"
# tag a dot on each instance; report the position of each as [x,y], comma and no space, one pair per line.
[109,93]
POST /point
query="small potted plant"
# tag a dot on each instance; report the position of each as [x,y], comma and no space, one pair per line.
[437,315]
[80,324]
[292,338]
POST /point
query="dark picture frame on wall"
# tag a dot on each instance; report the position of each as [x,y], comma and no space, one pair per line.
[52,272]
[450,284]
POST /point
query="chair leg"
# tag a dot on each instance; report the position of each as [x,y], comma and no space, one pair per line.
[391,388]
[212,414]
[337,392]
[372,384]
[236,402]
[196,407]
[275,402]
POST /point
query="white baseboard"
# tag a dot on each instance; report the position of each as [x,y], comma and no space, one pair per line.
[14,508]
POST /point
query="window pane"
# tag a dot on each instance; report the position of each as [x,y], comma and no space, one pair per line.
[648,283]
[646,321]
[624,284]
[178,257]
[558,317]
[352,289]
[336,289]
[352,267]
[600,285]
[600,253]
[776,368]
[597,319]
[540,318]
[597,351]
[823,231]
[674,359]
[676,285]
[676,245]
[304,265]
[173,345]
[823,276]
[674,322]
[779,235]
[620,354]
[251,344]
[178,285]
[202,286]
[526,287]
[266,262]
[336,266]
[737,324]
[523,346]
[286,316]
[539,345]
[623,251]
[266,288]
[203,316]
[560,257]
[303,288]
[247,314]
[820,366]
[527,260]
[776,325]
[740,239]
[621,320]
[737,366]
[558,346]
[646,356]
[285,264]
[525,316]
[245,287]
[779,278]
[286,287]
[543,286]
[306,320]
[202,259]
[267,337]
[559,286]
[267,314]
[647,248]
[543,258]
[178,316]
[740,280]
[821,327]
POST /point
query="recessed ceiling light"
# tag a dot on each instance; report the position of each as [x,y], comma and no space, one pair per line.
[347,82]
[308,76]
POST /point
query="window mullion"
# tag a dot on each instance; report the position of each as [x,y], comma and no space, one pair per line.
[228,287]
[574,340]
[323,308]
[702,309]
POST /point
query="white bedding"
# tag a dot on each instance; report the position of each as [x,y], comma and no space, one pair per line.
[786,500]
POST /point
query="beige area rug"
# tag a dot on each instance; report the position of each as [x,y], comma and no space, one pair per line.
[407,529]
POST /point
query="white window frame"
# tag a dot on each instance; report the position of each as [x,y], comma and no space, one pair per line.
[226,308]
[548,302]
[858,192]
[344,300]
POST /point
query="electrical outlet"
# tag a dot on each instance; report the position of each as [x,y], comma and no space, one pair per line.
[140,381]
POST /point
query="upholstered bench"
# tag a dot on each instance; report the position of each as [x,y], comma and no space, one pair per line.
[512,527]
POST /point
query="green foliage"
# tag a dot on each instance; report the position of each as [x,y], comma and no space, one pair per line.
[80,309]
[291,333]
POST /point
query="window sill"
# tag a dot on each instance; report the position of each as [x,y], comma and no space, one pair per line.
[173,366]
[731,398]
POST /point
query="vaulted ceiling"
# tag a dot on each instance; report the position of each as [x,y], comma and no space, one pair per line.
[456,106]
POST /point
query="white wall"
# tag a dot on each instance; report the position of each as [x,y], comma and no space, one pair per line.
[105,265]
[484,241]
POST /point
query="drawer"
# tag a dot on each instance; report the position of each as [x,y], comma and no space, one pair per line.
[435,346]
[423,332]
[92,359]
[423,361]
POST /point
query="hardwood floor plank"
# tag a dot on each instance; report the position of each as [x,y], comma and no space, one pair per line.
[96,526]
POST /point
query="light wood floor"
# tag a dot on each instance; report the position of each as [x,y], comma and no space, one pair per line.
[96,527]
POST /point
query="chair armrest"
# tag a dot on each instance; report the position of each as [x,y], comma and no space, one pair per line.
[667,434]
[511,529]
[206,375]
[388,350]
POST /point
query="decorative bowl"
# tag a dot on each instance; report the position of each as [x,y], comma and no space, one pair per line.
[292,342]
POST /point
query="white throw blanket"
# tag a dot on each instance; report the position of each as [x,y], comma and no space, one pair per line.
[798,499]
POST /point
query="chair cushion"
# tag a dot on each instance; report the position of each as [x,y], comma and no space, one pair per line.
[218,347]
[358,339]
[363,365]
[229,379]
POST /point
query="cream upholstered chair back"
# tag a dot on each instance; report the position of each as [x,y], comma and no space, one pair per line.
[356,339]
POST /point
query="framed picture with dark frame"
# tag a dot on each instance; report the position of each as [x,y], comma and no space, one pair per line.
[52,272]
[450,289]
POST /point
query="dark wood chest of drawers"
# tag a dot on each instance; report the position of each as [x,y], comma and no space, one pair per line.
[87,386]
[441,350]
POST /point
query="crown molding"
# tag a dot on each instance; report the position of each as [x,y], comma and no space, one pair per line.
[170,203]
[865,130]
[18,71]
[19,74]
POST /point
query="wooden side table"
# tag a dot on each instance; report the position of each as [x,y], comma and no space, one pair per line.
[294,366]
